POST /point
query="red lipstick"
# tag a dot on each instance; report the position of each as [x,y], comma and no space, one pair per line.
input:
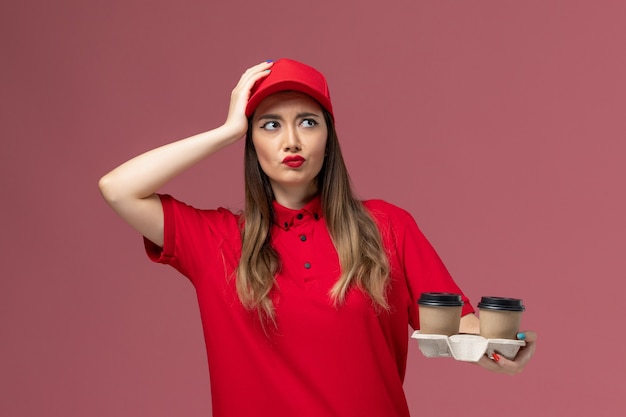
[293,161]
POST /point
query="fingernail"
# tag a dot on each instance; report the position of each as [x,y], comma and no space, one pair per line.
[496,357]
[269,60]
[521,336]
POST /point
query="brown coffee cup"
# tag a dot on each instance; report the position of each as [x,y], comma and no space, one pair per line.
[440,313]
[500,317]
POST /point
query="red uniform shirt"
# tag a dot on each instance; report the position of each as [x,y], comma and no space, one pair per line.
[321,360]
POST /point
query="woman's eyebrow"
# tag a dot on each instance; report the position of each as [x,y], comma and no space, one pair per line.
[307,114]
[279,117]
[271,116]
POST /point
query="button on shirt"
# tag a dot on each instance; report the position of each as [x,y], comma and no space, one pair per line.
[305,245]
[321,359]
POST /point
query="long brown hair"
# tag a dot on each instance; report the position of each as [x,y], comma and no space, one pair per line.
[364,263]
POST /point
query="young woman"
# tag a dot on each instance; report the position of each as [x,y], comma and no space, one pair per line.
[306,296]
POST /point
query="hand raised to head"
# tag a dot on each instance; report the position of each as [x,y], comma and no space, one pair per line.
[240,95]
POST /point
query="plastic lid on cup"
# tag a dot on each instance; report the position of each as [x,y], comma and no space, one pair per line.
[501,303]
[440,299]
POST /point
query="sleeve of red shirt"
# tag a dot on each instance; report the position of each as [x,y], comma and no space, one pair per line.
[190,234]
[423,268]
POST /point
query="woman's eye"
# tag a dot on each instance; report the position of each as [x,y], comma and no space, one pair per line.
[309,123]
[270,126]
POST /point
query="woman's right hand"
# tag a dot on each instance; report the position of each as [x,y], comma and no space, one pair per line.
[237,121]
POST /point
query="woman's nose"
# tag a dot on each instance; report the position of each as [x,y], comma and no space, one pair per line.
[292,140]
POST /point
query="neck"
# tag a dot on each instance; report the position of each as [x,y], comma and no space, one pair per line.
[294,197]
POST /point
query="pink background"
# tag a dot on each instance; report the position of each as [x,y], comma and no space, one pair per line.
[500,125]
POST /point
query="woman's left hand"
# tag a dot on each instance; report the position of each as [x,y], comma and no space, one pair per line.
[503,365]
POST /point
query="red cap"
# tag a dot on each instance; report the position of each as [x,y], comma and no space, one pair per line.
[290,75]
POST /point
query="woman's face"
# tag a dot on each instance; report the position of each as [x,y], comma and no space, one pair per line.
[289,134]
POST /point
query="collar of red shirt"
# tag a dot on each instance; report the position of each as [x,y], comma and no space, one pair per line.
[284,216]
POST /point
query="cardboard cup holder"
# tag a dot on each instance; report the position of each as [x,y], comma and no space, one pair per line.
[465,347]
